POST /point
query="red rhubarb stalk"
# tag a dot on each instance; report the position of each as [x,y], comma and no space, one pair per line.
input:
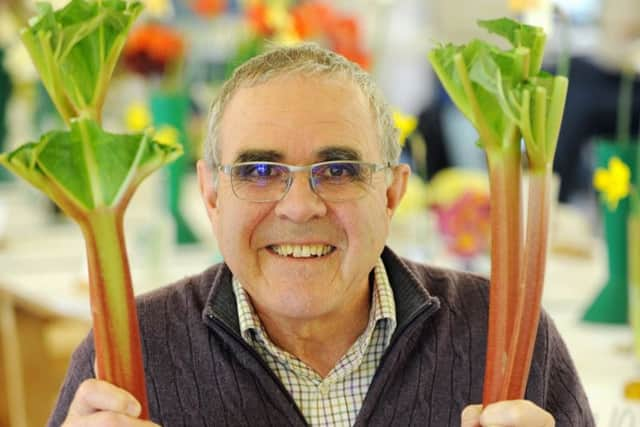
[89,172]
[505,95]
[506,250]
[541,116]
[115,324]
[503,157]
[529,301]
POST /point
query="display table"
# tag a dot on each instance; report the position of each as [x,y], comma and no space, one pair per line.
[44,278]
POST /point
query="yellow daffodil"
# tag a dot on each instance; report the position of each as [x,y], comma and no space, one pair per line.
[167,135]
[613,183]
[279,18]
[523,5]
[449,184]
[405,123]
[415,198]
[137,117]
[158,8]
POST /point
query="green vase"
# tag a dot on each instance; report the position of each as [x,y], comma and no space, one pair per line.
[634,280]
[5,93]
[611,304]
[172,109]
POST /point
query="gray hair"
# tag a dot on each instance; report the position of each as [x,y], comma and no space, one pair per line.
[306,59]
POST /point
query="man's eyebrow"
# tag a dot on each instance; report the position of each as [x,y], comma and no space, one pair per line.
[258,156]
[338,153]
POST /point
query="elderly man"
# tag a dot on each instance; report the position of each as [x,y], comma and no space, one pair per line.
[311,320]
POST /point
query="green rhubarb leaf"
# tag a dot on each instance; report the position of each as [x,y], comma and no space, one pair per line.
[22,162]
[520,36]
[491,75]
[87,168]
[75,50]
[542,99]
[441,59]
[488,84]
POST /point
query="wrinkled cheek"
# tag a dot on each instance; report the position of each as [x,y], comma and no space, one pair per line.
[231,237]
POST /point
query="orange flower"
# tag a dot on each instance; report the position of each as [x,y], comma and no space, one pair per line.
[345,38]
[355,54]
[208,8]
[257,16]
[311,19]
[151,48]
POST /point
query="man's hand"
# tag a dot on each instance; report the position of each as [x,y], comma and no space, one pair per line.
[512,413]
[101,404]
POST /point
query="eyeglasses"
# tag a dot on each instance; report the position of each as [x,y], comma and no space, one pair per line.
[333,181]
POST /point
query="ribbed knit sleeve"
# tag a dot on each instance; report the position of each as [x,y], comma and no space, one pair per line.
[80,369]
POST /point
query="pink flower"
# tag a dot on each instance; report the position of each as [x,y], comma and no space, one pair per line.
[465,224]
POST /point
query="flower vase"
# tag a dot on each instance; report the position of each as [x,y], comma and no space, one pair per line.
[171,109]
[632,387]
[611,304]
[634,280]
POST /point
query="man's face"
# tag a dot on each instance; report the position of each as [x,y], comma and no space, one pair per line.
[298,121]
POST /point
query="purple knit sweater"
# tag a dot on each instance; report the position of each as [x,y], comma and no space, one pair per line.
[200,372]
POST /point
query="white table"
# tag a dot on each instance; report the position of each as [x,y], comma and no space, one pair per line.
[46,264]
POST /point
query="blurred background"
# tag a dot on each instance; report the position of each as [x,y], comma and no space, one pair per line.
[178,54]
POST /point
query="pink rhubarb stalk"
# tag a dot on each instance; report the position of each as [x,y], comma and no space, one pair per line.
[89,172]
[540,128]
[115,323]
[506,256]
[532,284]
[505,95]
[503,157]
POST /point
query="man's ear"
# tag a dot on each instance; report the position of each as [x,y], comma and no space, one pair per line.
[397,188]
[208,189]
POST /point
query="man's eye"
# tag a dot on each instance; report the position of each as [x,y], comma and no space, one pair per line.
[258,170]
[340,170]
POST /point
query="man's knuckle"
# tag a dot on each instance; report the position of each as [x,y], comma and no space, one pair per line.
[86,387]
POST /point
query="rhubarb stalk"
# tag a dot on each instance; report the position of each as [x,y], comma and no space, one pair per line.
[115,325]
[531,285]
[506,256]
[479,94]
[505,95]
[91,174]
[540,119]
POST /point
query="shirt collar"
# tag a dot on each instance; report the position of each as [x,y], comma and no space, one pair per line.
[383,306]
[410,293]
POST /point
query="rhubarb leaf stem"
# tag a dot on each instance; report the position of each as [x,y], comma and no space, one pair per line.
[532,283]
[116,330]
[506,258]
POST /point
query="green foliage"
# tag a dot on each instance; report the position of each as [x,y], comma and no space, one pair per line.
[87,168]
[247,49]
[520,36]
[75,50]
[498,90]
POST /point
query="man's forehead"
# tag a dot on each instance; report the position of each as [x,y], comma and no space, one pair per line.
[301,118]
[333,152]
[288,83]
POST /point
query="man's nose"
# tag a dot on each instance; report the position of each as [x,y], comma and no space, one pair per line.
[301,203]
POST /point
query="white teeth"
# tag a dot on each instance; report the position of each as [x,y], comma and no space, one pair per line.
[302,251]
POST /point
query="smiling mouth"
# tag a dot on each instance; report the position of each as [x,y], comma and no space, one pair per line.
[302,251]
